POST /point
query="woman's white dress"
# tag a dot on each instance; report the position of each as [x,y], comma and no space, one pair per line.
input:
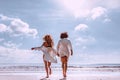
[49,54]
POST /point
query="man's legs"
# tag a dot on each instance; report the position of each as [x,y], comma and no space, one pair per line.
[64,61]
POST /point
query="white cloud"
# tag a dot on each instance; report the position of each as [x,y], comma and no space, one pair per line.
[10,55]
[107,20]
[111,4]
[83,8]
[10,44]
[5,18]
[78,8]
[100,58]
[81,27]
[1,39]
[97,12]
[84,40]
[17,27]
[3,28]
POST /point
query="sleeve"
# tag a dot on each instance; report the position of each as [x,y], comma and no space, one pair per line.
[70,45]
[58,46]
[38,48]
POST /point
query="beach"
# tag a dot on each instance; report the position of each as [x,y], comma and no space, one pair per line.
[101,73]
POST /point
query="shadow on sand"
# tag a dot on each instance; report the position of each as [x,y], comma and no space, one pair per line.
[45,79]
[63,79]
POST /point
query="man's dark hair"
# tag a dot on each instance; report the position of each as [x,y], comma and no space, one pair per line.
[64,35]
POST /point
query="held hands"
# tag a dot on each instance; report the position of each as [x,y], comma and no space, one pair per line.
[58,54]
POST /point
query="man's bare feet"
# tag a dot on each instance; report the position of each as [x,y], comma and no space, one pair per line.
[64,75]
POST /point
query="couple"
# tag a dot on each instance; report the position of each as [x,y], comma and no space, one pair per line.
[64,50]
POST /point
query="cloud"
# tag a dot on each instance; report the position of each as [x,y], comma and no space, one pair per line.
[5,18]
[110,4]
[81,27]
[2,39]
[83,8]
[10,55]
[78,8]
[107,20]
[17,27]
[84,40]
[97,12]
[94,57]
[9,44]
[3,28]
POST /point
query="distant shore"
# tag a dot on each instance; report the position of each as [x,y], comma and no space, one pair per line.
[58,68]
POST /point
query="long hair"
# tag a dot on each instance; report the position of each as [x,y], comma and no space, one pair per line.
[49,40]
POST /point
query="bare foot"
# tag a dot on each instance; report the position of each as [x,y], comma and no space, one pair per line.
[64,75]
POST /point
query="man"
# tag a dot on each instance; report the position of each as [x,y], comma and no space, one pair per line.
[64,49]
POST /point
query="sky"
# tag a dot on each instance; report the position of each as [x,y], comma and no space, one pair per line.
[93,28]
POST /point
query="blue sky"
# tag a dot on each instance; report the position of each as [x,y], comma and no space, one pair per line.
[93,28]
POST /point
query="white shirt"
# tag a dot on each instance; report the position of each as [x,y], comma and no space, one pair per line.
[64,47]
[49,53]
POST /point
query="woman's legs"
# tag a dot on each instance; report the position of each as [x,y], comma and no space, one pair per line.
[64,61]
[46,68]
[49,66]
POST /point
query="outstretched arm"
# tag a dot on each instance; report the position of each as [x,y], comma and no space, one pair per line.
[36,48]
[32,48]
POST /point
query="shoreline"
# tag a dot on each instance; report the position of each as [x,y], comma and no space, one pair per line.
[73,73]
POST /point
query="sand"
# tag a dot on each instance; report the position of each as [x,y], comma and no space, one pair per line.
[73,74]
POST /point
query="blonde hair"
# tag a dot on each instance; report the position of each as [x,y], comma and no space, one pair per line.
[49,40]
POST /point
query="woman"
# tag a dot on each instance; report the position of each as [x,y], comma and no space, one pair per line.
[49,54]
[64,49]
